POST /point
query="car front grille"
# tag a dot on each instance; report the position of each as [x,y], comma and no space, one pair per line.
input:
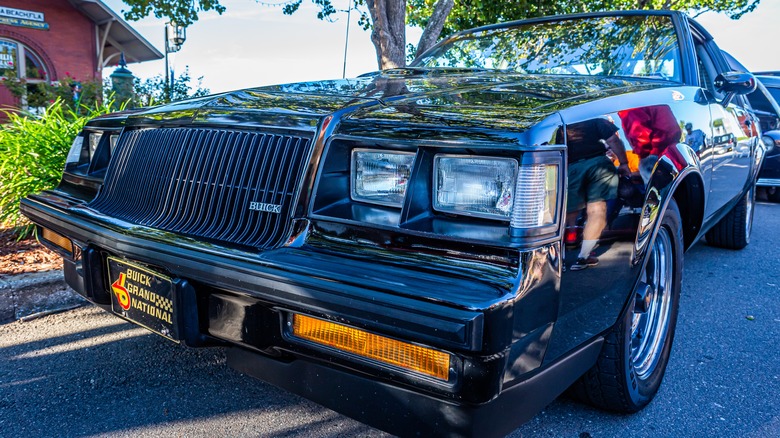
[221,185]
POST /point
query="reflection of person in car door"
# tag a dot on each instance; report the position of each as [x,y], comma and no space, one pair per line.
[650,130]
[694,137]
[592,180]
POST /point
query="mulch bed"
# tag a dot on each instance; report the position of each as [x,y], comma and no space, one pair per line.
[27,255]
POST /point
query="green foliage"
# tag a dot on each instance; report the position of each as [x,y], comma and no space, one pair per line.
[155,91]
[79,94]
[183,12]
[468,14]
[33,151]
[327,10]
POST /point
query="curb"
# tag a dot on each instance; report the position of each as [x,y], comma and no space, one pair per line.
[33,293]
[31,279]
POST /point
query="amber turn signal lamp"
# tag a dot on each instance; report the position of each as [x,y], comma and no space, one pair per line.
[379,348]
[57,240]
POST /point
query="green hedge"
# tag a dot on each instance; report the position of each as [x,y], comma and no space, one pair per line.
[33,151]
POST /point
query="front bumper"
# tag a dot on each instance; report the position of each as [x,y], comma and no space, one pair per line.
[495,327]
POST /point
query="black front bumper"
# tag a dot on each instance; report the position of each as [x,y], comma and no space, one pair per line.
[231,297]
[405,412]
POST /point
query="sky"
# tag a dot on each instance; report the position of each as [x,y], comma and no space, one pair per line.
[254,44]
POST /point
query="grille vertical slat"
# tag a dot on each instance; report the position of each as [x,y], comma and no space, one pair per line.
[234,199]
[200,183]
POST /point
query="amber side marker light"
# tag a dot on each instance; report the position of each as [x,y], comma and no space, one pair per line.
[411,357]
[57,239]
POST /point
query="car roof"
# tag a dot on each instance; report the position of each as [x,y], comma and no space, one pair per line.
[769,81]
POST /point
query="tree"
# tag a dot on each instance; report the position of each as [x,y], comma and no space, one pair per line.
[387,18]
[154,90]
[468,14]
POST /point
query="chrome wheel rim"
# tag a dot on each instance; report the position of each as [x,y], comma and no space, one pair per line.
[649,329]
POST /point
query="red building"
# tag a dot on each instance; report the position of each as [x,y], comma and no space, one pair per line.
[45,40]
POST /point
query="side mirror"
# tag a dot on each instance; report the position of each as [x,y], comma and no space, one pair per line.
[733,83]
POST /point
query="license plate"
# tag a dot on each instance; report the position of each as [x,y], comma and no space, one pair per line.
[143,296]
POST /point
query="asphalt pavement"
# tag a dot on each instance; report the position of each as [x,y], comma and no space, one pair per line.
[85,373]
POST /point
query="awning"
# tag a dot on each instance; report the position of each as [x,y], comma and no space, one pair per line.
[115,36]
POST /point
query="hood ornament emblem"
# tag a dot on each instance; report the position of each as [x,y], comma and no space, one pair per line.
[267,208]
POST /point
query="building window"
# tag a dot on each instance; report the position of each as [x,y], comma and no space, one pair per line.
[33,67]
[22,61]
[9,52]
[19,61]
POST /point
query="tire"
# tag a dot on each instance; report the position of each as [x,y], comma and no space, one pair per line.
[733,231]
[631,367]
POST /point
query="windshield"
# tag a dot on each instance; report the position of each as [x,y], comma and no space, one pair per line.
[643,46]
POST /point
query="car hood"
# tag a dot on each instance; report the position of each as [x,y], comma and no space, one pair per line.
[433,98]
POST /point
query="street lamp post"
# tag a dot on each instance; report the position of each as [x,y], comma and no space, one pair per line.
[175,36]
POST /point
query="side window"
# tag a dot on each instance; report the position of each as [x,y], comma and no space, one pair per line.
[707,71]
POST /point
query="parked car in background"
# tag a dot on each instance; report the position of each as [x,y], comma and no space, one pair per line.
[392,246]
[769,176]
[764,102]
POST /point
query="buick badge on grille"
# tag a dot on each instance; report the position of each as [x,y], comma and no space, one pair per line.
[268,208]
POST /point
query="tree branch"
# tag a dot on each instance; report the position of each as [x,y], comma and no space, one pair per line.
[435,24]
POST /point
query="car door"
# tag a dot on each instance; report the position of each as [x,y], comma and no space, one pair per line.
[733,133]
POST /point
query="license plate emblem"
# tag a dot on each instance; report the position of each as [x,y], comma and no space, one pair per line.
[143,296]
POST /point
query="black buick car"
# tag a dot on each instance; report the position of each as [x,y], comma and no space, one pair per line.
[441,249]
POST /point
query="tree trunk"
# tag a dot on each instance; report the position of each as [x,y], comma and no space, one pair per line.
[388,18]
[435,24]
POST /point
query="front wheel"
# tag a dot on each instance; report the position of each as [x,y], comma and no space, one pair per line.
[636,351]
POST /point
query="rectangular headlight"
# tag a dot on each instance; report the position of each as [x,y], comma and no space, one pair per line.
[74,155]
[94,141]
[481,187]
[112,143]
[536,196]
[411,357]
[380,177]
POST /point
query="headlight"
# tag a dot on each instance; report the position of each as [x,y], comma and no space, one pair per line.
[74,155]
[112,143]
[380,177]
[769,143]
[536,196]
[481,187]
[94,141]
[496,188]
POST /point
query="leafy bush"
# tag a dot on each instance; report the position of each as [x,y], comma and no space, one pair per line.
[82,95]
[33,151]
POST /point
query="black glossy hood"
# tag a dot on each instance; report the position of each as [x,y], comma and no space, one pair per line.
[427,97]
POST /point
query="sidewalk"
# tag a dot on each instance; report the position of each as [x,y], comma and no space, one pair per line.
[27,295]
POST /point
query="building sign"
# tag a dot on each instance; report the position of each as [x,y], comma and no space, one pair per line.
[8,52]
[24,23]
[22,18]
[20,14]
